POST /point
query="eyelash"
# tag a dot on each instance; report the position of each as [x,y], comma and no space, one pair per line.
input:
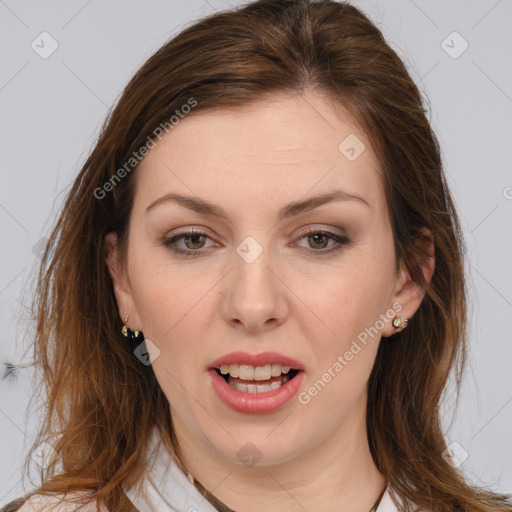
[342,240]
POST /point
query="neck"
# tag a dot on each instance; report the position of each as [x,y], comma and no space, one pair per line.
[338,474]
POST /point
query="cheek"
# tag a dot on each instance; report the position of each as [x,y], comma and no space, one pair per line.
[349,298]
[169,298]
[345,339]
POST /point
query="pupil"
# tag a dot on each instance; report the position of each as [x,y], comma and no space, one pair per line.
[194,239]
[317,236]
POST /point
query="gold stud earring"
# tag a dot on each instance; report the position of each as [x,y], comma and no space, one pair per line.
[125,331]
[400,324]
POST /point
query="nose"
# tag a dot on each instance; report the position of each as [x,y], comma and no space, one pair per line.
[254,294]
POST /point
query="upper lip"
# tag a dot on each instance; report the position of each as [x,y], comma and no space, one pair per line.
[261,359]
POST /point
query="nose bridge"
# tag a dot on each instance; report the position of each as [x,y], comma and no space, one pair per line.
[255,295]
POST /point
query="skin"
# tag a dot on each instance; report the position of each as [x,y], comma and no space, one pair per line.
[308,306]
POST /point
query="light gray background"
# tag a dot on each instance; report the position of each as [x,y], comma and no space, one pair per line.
[52,110]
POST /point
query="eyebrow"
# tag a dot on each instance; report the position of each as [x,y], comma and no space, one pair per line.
[295,208]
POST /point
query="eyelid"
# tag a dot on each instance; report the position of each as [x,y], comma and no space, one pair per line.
[168,239]
[340,240]
[322,229]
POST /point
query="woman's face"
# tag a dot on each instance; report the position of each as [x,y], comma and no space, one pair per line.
[263,276]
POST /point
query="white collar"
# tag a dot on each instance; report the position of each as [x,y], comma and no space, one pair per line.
[167,489]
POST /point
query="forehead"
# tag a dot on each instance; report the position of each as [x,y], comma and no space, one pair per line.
[289,146]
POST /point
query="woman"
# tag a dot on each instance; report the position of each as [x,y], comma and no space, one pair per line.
[254,295]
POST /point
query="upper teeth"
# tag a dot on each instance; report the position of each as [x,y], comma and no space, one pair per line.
[247,372]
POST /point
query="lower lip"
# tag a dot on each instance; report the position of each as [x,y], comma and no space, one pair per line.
[255,403]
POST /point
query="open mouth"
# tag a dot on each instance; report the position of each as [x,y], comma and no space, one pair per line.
[256,384]
[254,380]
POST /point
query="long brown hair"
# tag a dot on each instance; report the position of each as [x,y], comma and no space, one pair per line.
[102,404]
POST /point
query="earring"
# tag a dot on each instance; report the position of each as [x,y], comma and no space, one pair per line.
[401,324]
[134,335]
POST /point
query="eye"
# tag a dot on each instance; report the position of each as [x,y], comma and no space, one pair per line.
[194,241]
[319,240]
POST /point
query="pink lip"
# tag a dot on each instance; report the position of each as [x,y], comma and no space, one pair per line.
[258,403]
[256,360]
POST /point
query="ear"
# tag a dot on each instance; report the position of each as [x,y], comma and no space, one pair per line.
[407,293]
[122,290]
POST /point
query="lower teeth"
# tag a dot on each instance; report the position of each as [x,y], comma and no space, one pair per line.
[256,388]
